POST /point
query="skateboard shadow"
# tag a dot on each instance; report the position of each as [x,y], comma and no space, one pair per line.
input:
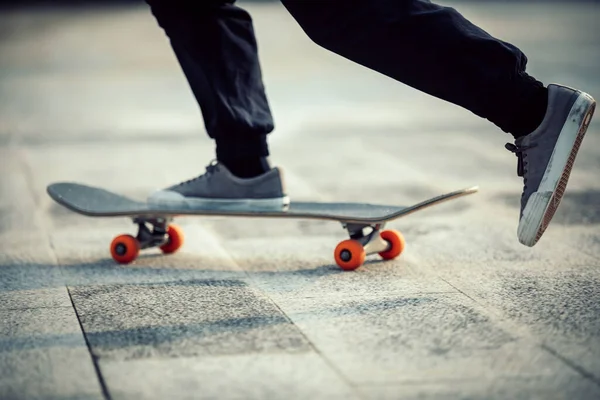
[105,272]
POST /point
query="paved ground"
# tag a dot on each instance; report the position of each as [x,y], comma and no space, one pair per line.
[256,308]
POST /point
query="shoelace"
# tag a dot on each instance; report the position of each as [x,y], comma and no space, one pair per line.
[210,170]
[521,163]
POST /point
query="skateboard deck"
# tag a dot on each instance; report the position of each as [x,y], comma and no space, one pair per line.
[156,229]
[98,202]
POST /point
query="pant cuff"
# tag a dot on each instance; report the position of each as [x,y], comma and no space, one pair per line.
[242,147]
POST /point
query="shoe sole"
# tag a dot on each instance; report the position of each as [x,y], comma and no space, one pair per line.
[543,203]
[271,204]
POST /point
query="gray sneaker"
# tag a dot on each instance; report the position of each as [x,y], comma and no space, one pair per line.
[546,157]
[218,188]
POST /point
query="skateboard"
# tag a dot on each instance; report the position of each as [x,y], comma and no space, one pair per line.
[363,222]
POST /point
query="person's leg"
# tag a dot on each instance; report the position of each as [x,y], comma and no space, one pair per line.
[433,49]
[436,50]
[215,45]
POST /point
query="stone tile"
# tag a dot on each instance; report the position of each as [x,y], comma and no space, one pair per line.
[250,376]
[184,318]
[298,267]
[34,321]
[538,388]
[85,259]
[583,355]
[560,303]
[17,200]
[26,259]
[39,327]
[48,373]
[43,355]
[40,298]
[555,304]
[20,274]
[405,338]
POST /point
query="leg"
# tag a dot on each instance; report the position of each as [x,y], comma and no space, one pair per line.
[434,49]
[215,45]
[216,48]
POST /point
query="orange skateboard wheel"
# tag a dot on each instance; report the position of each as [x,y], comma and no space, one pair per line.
[349,254]
[124,249]
[175,235]
[396,242]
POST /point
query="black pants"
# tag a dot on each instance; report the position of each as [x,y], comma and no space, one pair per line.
[429,47]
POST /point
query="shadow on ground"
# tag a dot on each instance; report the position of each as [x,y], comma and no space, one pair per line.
[44,276]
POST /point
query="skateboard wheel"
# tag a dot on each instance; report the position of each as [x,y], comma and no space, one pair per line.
[124,249]
[349,254]
[396,242]
[175,241]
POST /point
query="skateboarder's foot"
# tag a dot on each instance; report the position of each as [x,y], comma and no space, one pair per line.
[546,156]
[219,188]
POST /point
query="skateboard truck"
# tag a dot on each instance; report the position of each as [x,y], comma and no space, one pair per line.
[350,254]
[154,235]
[152,232]
[371,241]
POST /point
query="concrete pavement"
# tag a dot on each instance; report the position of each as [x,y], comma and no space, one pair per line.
[255,308]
